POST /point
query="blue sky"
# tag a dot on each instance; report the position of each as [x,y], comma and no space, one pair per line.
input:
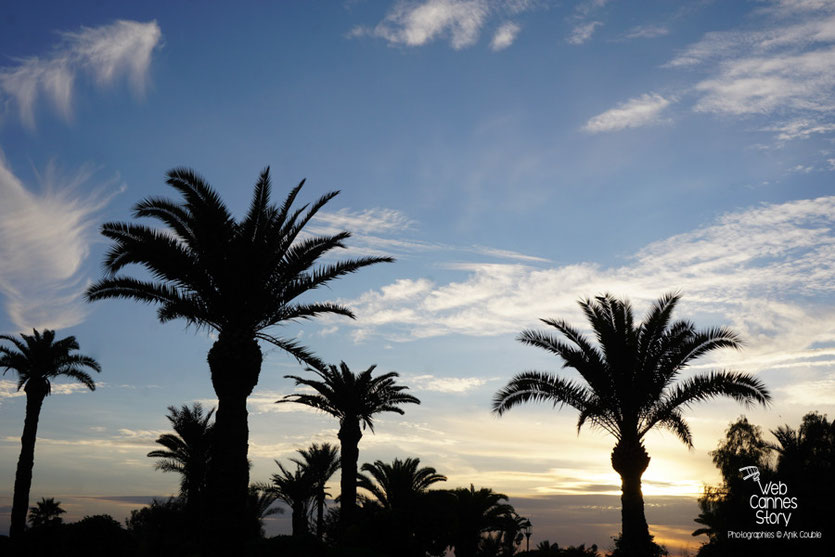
[513,156]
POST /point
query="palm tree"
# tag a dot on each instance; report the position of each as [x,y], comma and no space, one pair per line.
[477,512]
[630,386]
[297,489]
[260,506]
[396,486]
[46,512]
[187,451]
[321,462]
[354,399]
[238,278]
[37,359]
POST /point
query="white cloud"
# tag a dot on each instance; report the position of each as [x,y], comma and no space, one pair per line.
[647,32]
[640,111]
[105,53]
[782,67]
[44,239]
[505,35]
[444,384]
[583,32]
[369,221]
[8,388]
[800,128]
[418,23]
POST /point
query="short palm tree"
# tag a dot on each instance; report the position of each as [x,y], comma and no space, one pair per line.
[297,488]
[321,462]
[629,386]
[396,486]
[239,278]
[46,512]
[477,512]
[354,399]
[38,359]
[260,506]
[187,451]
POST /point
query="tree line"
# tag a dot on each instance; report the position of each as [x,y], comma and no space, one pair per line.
[240,278]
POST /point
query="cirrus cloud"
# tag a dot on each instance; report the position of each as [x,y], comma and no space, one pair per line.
[105,53]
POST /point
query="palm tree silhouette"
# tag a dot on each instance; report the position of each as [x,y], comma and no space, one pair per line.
[296,488]
[396,486]
[260,506]
[187,451]
[321,462]
[630,386]
[37,359]
[46,512]
[476,512]
[354,399]
[238,278]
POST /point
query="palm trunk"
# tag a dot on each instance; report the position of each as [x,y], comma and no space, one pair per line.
[235,363]
[320,513]
[349,439]
[35,393]
[299,520]
[630,460]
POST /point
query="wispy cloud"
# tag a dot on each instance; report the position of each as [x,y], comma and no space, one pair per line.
[583,32]
[444,384]
[505,35]
[647,32]
[740,267]
[44,239]
[784,66]
[461,22]
[640,111]
[416,24]
[105,53]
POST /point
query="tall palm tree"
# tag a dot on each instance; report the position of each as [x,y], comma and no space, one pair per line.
[296,488]
[38,359]
[353,399]
[46,512]
[321,462]
[239,278]
[395,486]
[475,513]
[187,451]
[629,386]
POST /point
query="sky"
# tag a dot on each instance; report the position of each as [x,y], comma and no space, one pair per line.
[514,157]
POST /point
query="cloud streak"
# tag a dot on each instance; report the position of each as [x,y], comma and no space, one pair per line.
[634,113]
[105,53]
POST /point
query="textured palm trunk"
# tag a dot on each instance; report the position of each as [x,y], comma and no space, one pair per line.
[349,439]
[35,393]
[299,520]
[630,460]
[235,363]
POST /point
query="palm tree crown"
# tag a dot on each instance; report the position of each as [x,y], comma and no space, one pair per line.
[352,397]
[38,359]
[397,485]
[629,386]
[232,276]
[630,378]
